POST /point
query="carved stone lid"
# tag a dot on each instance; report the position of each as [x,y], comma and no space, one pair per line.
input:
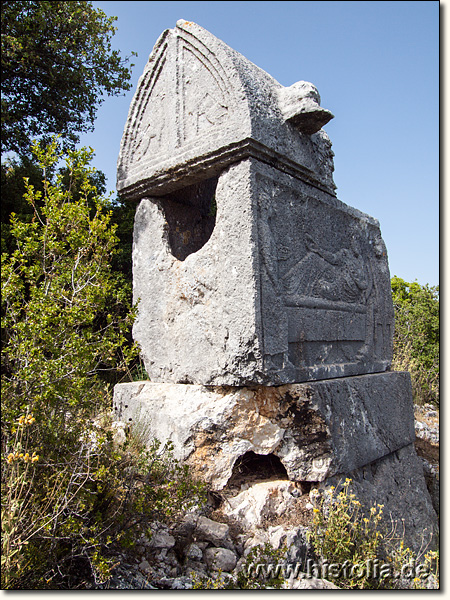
[200,106]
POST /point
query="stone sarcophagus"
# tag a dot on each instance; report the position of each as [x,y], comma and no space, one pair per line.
[265,317]
[247,267]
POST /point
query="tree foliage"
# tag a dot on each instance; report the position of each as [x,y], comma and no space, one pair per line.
[71,498]
[65,314]
[416,338]
[13,171]
[57,64]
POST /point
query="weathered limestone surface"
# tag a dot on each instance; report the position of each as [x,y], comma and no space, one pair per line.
[247,267]
[292,285]
[201,106]
[317,429]
[261,501]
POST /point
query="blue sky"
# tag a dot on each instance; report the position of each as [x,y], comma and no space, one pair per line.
[376,65]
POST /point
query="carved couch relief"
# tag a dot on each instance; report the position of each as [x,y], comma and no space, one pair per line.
[325,279]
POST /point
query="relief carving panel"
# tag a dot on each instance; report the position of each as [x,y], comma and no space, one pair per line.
[324,284]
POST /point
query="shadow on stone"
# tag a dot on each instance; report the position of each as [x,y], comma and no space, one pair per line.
[252,467]
[190,214]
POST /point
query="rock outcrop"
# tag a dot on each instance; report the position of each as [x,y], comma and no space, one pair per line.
[317,429]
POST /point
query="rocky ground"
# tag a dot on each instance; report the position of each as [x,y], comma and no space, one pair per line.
[259,505]
[427,447]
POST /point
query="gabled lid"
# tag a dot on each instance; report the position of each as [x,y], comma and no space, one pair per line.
[200,105]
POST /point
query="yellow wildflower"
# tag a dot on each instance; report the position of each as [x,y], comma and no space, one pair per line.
[26,420]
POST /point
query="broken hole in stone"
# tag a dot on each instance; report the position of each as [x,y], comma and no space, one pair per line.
[190,214]
[305,486]
[253,467]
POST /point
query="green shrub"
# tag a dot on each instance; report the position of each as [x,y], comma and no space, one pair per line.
[69,495]
[344,534]
[250,576]
[247,577]
[341,533]
[416,337]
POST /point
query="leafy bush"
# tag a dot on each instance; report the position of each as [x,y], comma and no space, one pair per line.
[416,338]
[249,575]
[65,315]
[69,494]
[343,534]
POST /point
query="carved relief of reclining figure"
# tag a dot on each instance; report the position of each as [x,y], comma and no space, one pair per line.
[343,278]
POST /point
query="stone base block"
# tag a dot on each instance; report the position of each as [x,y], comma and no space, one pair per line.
[316,429]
